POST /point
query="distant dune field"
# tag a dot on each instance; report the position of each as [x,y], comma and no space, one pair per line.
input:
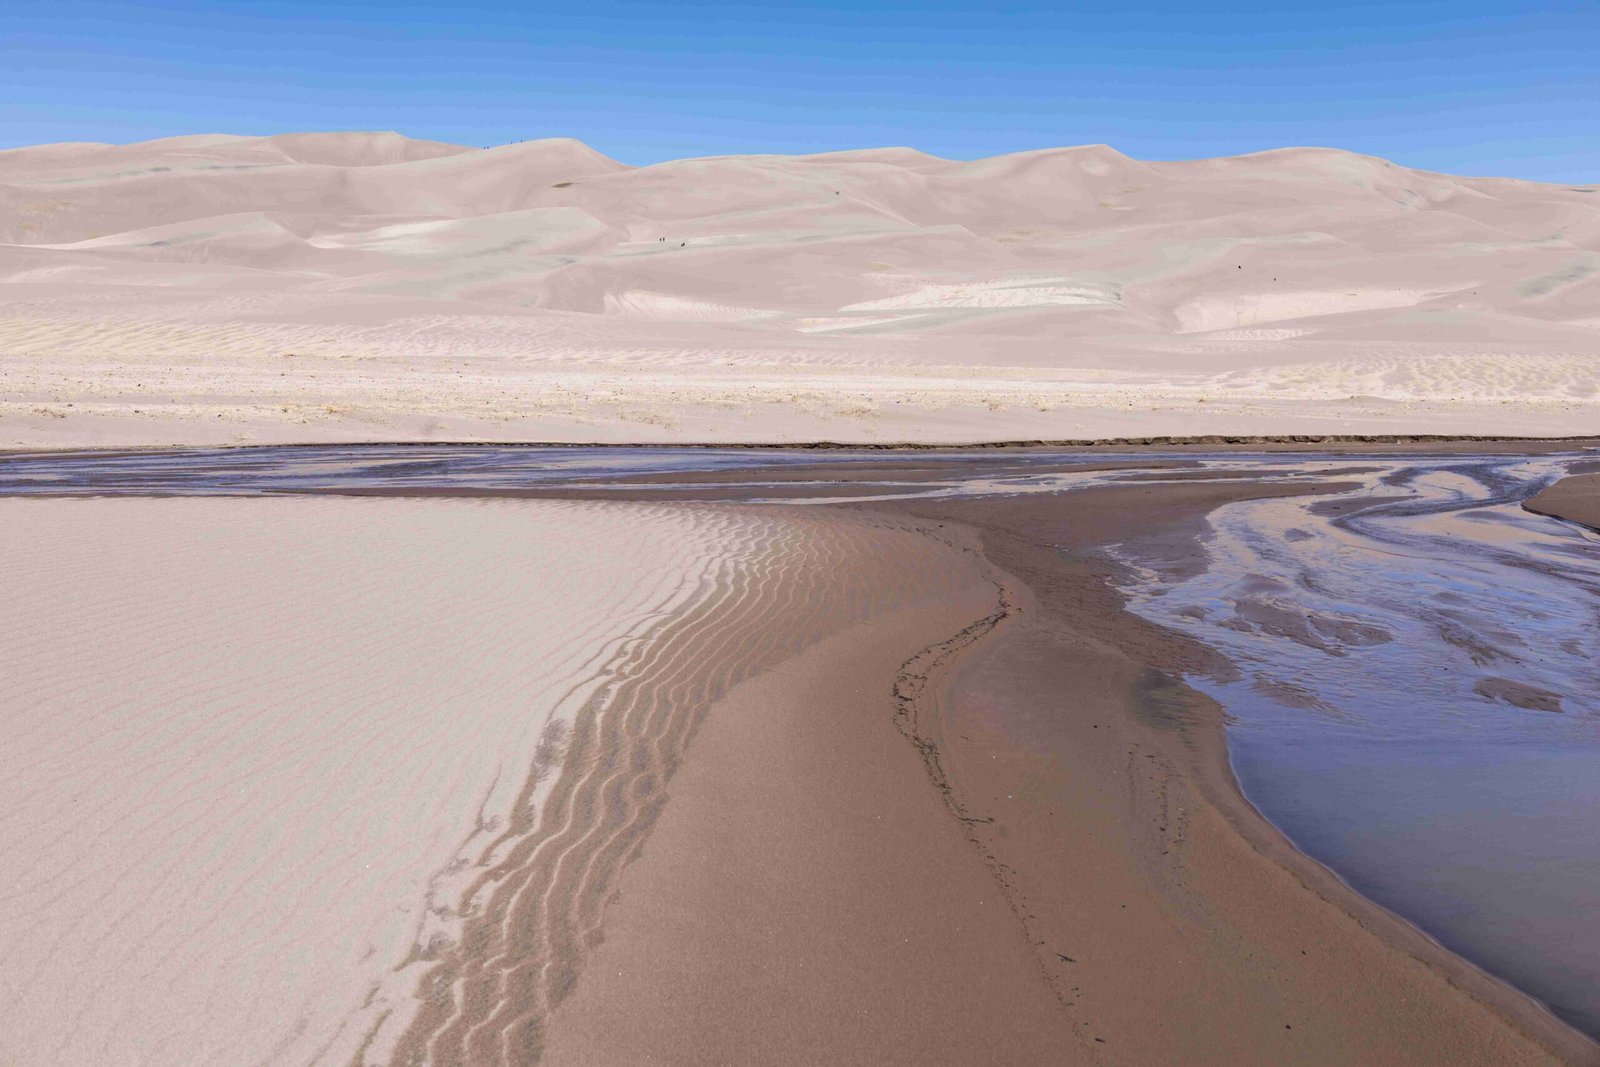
[364,286]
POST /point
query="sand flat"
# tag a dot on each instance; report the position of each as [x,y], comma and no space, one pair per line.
[806,872]
[357,286]
[249,742]
[306,780]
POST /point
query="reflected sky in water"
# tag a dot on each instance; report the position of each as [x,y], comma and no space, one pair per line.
[1418,702]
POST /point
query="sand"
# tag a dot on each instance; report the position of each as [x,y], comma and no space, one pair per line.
[883,782]
[1165,920]
[278,767]
[1576,499]
[250,744]
[360,286]
[1203,935]
[806,897]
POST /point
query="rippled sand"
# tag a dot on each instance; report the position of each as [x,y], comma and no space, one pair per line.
[262,755]
[385,780]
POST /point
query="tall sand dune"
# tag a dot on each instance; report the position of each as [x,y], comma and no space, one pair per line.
[369,286]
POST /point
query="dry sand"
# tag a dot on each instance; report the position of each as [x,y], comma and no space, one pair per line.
[250,745]
[361,286]
[280,782]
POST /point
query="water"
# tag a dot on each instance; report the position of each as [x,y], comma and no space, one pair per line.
[1418,694]
[1418,704]
[302,468]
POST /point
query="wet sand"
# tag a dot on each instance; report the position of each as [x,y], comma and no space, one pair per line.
[1575,499]
[1166,920]
[912,786]
[1203,934]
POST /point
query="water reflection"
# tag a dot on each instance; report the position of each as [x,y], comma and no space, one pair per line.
[1418,703]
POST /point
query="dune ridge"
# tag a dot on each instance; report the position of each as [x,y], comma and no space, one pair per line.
[368,286]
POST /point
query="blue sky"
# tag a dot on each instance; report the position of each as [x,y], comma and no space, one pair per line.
[1477,88]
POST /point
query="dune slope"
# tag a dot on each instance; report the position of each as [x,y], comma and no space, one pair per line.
[368,286]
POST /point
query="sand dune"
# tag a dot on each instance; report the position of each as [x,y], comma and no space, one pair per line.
[356,285]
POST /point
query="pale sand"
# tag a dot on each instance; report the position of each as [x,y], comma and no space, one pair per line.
[275,766]
[249,742]
[327,287]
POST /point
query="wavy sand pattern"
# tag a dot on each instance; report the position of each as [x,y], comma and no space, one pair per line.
[281,768]
[487,998]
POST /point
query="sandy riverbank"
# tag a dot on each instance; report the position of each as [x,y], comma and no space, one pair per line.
[1203,935]
[330,780]
[1576,499]
[1165,918]
[879,782]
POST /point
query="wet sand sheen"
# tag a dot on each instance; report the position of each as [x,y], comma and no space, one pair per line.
[537,912]
[1576,499]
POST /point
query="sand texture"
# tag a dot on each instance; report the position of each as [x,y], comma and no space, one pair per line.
[355,286]
[475,780]
[1176,924]
[251,747]
[1576,499]
[1079,882]
[317,780]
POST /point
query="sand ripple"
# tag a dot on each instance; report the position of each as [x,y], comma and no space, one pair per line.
[325,780]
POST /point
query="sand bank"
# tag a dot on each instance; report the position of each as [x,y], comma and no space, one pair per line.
[1203,936]
[1163,917]
[330,780]
[1576,499]
[255,746]
[877,782]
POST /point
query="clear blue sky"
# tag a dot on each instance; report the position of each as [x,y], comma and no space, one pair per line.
[1468,87]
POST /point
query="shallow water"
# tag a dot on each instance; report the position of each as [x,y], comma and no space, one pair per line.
[1418,694]
[1419,702]
[301,468]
